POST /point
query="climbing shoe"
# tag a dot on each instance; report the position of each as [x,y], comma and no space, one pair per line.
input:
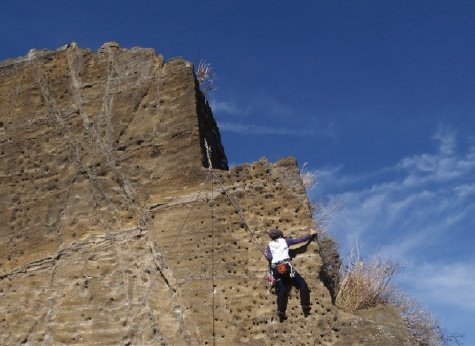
[306,310]
[282,316]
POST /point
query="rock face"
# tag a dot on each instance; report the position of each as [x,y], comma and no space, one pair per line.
[113,231]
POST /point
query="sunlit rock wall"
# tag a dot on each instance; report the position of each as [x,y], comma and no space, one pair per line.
[113,230]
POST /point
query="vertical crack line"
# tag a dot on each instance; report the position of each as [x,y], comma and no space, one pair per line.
[130,297]
[155,330]
[75,84]
[54,111]
[32,328]
[57,114]
[11,103]
[150,312]
[132,195]
[52,304]
[108,98]
[105,148]
[13,97]
[104,144]
[64,205]
[159,261]
[141,92]
[117,253]
[146,304]
[85,276]
[73,63]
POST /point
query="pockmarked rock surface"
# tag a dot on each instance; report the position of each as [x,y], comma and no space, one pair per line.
[114,230]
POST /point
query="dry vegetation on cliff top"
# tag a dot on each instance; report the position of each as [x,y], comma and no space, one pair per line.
[365,283]
[206,76]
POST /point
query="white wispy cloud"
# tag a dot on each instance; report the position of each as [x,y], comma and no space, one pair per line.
[282,119]
[231,108]
[447,283]
[263,102]
[259,103]
[421,213]
[250,129]
[445,165]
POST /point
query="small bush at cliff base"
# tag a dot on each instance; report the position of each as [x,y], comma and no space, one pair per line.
[422,325]
[366,284]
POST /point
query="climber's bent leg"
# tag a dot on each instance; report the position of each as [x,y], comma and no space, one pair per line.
[300,283]
[282,290]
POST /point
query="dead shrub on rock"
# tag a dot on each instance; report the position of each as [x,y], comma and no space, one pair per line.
[422,325]
[308,178]
[206,76]
[367,283]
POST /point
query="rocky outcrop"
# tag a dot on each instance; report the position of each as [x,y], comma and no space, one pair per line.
[114,230]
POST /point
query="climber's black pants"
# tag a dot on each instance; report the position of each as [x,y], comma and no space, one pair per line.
[283,285]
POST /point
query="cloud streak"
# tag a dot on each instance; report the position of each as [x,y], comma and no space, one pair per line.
[419,212]
[250,129]
[261,103]
[450,283]
[280,119]
[229,108]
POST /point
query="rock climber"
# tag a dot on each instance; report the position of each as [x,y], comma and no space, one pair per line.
[284,273]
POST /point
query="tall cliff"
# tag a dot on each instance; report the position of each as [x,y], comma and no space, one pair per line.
[113,230]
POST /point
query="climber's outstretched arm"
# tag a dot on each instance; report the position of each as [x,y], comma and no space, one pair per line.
[292,241]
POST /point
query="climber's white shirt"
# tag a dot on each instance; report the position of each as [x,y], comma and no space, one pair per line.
[279,250]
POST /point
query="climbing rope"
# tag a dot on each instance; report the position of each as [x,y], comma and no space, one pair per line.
[213,290]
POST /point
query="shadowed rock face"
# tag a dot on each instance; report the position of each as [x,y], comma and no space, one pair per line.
[113,230]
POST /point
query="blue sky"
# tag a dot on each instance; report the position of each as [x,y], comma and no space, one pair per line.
[377,96]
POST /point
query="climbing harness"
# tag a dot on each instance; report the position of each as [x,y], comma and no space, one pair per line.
[281,268]
[284,267]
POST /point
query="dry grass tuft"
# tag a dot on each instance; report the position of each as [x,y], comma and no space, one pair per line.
[308,178]
[206,77]
[422,325]
[365,284]
[321,212]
